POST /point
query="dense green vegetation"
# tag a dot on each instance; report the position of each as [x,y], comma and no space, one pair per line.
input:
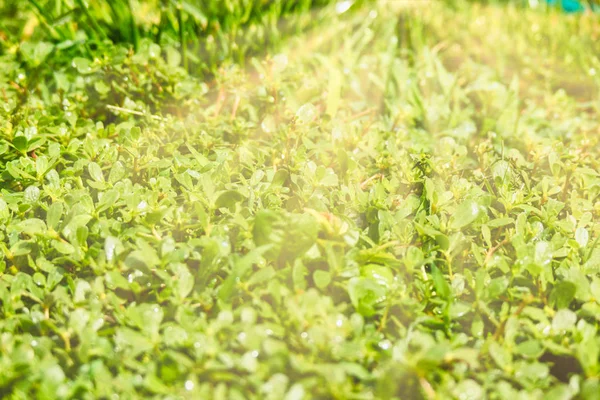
[213,31]
[330,202]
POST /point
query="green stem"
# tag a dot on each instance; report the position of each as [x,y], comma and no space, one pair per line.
[45,19]
[182,37]
[95,25]
[135,32]
[161,23]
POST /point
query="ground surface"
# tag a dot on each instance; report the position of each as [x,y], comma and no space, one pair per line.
[401,201]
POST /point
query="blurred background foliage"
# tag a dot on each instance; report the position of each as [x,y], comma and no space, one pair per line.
[206,32]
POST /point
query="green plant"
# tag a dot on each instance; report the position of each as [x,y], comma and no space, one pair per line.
[375,210]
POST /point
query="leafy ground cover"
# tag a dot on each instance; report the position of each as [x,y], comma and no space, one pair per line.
[377,207]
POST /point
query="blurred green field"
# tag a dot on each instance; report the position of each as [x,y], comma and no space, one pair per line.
[299,200]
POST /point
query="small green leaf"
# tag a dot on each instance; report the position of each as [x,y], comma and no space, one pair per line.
[4,211]
[500,355]
[41,166]
[229,199]
[83,65]
[459,309]
[582,236]
[31,226]
[95,172]
[63,247]
[117,172]
[279,178]
[133,341]
[54,214]
[543,253]
[440,284]
[530,348]
[36,53]
[465,214]
[139,260]
[365,294]
[564,320]
[101,87]
[382,274]
[496,287]
[31,194]
[20,143]
[185,281]
[498,222]
[563,294]
[322,278]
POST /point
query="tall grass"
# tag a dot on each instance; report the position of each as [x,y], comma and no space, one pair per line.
[208,32]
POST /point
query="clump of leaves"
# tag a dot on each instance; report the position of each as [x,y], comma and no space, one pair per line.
[361,215]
